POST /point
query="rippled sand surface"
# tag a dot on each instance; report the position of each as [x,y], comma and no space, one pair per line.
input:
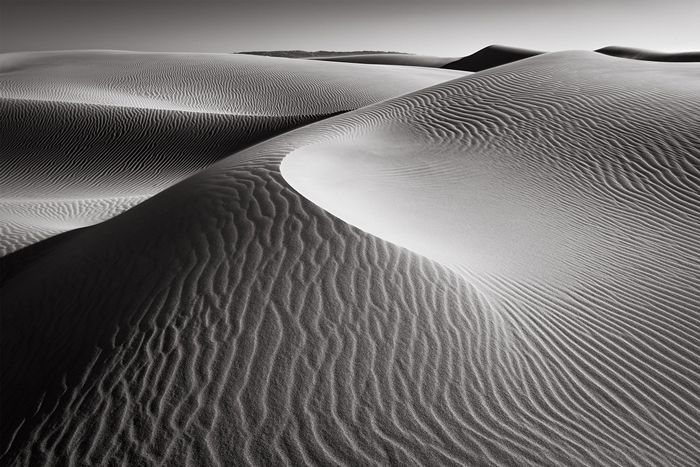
[495,270]
[89,134]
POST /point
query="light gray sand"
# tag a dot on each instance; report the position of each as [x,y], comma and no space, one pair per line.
[230,320]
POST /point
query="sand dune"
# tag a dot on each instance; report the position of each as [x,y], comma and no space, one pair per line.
[572,203]
[243,85]
[650,55]
[489,57]
[462,171]
[392,59]
[233,320]
[91,133]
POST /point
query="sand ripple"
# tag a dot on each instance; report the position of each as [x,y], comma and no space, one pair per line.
[228,320]
[566,189]
[262,331]
[211,83]
[106,128]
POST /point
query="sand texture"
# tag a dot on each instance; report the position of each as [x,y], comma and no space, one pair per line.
[86,135]
[497,270]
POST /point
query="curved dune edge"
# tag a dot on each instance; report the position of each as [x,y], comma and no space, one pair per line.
[529,187]
[230,321]
[649,55]
[232,84]
[89,134]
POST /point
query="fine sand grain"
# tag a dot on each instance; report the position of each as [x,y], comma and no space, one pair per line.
[496,270]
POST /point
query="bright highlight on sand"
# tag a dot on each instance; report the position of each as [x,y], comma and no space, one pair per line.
[496,178]
[458,209]
[112,128]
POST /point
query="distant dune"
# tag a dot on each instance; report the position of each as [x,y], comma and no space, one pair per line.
[489,57]
[392,59]
[316,54]
[499,269]
[89,134]
[641,54]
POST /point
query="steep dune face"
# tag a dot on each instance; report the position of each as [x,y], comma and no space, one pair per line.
[89,134]
[229,320]
[489,57]
[567,189]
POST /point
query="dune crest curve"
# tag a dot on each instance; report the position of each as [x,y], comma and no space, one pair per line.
[566,189]
[90,134]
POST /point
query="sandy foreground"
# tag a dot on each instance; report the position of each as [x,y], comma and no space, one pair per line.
[497,268]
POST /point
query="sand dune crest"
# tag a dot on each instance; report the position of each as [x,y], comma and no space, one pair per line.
[90,134]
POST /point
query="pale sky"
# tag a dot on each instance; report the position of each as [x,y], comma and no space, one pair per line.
[427,27]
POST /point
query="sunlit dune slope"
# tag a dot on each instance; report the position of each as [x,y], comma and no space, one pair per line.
[489,57]
[475,172]
[86,135]
[567,189]
[229,320]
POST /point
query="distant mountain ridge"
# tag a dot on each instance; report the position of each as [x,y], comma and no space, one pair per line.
[318,53]
[488,57]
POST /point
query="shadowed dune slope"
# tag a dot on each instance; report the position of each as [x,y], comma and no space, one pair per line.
[650,55]
[228,320]
[239,324]
[67,165]
[89,134]
[489,57]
